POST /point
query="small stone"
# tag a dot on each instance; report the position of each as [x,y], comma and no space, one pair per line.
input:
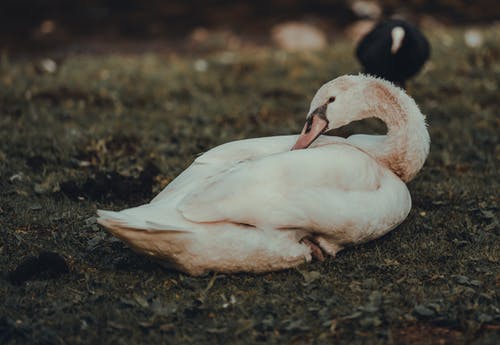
[35,207]
[484,318]
[104,74]
[357,30]
[90,221]
[199,35]
[49,185]
[366,9]
[461,279]
[94,242]
[227,58]
[375,300]
[476,283]
[141,301]
[47,26]
[429,23]
[200,65]
[16,177]
[310,276]
[48,65]
[145,324]
[84,325]
[214,39]
[473,38]
[423,311]
[369,283]
[167,327]
[216,330]
[488,214]
[353,316]
[296,36]
[296,325]
[369,322]
[268,322]
[116,325]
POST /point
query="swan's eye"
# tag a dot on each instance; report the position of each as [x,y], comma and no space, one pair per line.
[331,99]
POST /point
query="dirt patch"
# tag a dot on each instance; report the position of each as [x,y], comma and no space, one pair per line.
[427,335]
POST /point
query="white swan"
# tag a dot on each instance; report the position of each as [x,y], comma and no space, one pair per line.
[255,205]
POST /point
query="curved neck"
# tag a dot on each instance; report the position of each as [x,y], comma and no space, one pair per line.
[406,145]
[405,148]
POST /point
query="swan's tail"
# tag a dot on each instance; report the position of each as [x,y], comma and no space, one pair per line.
[140,234]
[161,241]
[124,221]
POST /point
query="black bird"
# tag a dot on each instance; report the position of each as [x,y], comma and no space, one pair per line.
[394,50]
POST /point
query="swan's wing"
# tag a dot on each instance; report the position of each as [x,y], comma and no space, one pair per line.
[225,156]
[241,150]
[221,158]
[296,189]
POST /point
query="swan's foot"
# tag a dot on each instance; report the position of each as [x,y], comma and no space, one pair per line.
[330,248]
[315,249]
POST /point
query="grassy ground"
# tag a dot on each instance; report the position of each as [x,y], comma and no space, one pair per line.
[111,131]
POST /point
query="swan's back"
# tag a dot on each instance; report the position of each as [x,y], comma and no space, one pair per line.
[251,215]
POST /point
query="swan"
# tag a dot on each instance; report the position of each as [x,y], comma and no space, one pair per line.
[265,204]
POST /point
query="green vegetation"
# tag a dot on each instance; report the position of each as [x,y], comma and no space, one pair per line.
[111,131]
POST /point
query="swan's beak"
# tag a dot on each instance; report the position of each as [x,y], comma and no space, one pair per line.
[315,125]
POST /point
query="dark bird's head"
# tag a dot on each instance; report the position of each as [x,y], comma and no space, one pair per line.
[394,50]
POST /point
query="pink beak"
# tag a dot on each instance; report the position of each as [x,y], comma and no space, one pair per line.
[313,128]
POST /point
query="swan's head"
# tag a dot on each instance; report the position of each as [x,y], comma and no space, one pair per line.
[351,98]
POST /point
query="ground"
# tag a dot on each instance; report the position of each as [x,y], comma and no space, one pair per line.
[110,131]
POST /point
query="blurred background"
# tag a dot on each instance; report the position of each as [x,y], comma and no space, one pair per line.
[92,25]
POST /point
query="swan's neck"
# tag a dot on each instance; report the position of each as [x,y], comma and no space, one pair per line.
[405,149]
[406,145]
